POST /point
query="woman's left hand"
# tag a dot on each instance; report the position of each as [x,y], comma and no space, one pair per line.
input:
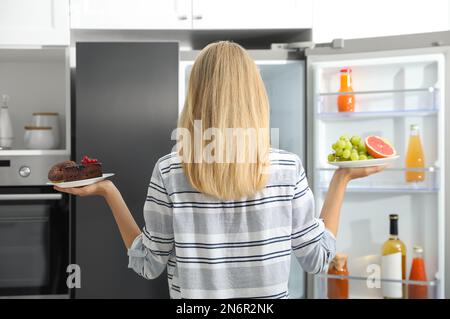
[358,172]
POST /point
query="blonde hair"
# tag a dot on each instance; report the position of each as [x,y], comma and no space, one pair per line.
[226,91]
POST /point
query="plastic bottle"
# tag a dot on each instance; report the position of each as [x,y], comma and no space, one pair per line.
[414,157]
[418,273]
[346,102]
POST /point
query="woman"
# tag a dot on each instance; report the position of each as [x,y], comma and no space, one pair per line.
[224,220]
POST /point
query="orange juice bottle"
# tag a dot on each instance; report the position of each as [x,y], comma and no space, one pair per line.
[414,157]
[346,102]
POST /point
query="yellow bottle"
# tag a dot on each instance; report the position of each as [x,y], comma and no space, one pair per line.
[414,157]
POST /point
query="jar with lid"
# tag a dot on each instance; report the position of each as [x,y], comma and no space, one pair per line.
[338,287]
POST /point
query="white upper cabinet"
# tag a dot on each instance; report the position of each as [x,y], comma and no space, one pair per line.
[34,22]
[131,14]
[352,19]
[252,14]
[188,14]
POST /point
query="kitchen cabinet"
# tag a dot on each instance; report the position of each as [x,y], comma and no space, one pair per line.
[252,14]
[131,14]
[352,19]
[34,22]
[191,14]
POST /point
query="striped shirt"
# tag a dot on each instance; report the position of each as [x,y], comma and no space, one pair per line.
[230,249]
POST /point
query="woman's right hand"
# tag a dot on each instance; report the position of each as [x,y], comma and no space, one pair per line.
[102,188]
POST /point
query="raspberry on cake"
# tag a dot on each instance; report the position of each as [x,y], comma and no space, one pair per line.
[69,171]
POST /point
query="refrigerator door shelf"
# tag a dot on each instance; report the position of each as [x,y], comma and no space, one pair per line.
[383,101]
[342,116]
[390,180]
[370,286]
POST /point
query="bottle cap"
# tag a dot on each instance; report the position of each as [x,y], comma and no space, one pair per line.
[418,249]
[393,216]
[339,261]
[5,100]
[346,70]
[414,127]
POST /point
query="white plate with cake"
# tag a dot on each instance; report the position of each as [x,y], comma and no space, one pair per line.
[70,174]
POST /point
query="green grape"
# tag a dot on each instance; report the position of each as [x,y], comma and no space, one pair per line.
[362,153]
[331,157]
[354,157]
[362,157]
[346,154]
[355,140]
[344,137]
[348,146]
[335,146]
[362,146]
[341,144]
[339,151]
[369,157]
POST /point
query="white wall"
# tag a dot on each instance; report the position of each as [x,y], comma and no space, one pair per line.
[374,18]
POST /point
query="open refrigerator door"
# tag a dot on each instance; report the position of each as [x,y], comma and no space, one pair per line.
[393,90]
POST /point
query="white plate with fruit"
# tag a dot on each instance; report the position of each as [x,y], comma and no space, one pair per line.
[356,152]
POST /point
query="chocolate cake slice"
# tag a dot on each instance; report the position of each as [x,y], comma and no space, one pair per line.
[56,173]
[69,171]
[82,171]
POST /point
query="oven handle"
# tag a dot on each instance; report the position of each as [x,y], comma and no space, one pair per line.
[56,196]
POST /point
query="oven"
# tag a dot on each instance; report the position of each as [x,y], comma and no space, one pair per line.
[34,242]
[34,231]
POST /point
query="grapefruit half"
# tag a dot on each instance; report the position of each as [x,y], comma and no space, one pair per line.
[378,147]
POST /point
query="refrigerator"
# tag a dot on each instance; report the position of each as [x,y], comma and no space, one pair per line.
[125,109]
[397,81]
[126,105]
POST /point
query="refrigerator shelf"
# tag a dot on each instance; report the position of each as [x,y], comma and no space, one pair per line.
[384,103]
[386,190]
[361,287]
[413,90]
[337,116]
[391,180]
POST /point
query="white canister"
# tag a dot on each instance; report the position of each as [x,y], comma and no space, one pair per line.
[39,138]
[48,119]
[6,131]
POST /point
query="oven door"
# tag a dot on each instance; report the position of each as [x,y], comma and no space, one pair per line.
[34,242]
